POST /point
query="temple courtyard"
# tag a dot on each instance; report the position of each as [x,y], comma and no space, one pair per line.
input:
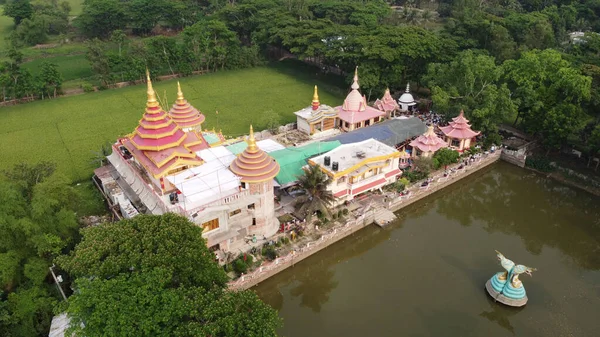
[72,130]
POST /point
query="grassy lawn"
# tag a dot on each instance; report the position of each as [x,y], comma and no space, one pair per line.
[71,67]
[75,7]
[69,130]
[6,26]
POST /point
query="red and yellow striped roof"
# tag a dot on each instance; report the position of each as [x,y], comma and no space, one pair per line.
[183,113]
[156,130]
[254,165]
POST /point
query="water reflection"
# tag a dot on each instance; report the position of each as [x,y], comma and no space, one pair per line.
[500,315]
[313,296]
[313,279]
[513,203]
[425,275]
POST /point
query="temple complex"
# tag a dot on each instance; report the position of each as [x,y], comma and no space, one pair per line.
[387,104]
[427,144]
[161,168]
[317,117]
[159,146]
[184,114]
[357,168]
[407,101]
[354,113]
[459,133]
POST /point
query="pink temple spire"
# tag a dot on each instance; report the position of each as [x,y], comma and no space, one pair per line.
[355,85]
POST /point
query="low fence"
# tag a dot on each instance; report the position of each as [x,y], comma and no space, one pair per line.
[332,236]
[339,232]
[439,181]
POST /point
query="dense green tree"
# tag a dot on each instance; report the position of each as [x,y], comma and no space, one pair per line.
[49,79]
[211,43]
[30,32]
[19,10]
[17,80]
[164,279]
[549,93]
[97,56]
[100,17]
[144,15]
[36,225]
[471,82]
[118,37]
[317,197]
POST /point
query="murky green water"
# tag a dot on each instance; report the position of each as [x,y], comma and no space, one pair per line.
[425,275]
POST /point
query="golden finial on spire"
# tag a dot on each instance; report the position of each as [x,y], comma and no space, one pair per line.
[315,100]
[355,85]
[180,97]
[252,147]
[152,102]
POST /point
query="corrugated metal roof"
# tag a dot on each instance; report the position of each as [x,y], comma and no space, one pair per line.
[390,132]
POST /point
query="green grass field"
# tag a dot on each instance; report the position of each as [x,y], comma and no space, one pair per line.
[69,130]
[71,67]
[75,6]
[6,26]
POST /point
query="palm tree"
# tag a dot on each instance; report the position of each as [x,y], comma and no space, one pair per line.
[317,197]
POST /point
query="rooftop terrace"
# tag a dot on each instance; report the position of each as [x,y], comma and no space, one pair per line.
[350,155]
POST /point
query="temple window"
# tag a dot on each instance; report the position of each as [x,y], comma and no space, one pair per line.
[455,142]
[251,206]
[210,225]
[243,185]
[357,125]
[253,221]
[237,211]
[341,180]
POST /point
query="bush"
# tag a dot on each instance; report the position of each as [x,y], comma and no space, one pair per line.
[345,211]
[340,213]
[492,139]
[318,223]
[269,253]
[334,216]
[87,87]
[539,163]
[445,157]
[239,266]
[414,176]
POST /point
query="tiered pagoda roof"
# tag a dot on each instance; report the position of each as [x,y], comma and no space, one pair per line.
[387,103]
[254,165]
[183,113]
[459,128]
[355,108]
[316,111]
[158,143]
[429,141]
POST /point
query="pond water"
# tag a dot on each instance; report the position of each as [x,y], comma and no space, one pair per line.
[425,274]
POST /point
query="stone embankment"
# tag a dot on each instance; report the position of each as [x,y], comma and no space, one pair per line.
[340,232]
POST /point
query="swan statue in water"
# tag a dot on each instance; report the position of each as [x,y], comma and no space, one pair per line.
[505,287]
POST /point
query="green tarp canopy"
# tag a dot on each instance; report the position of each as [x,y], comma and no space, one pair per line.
[292,159]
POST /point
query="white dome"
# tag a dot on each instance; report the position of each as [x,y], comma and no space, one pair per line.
[406,98]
